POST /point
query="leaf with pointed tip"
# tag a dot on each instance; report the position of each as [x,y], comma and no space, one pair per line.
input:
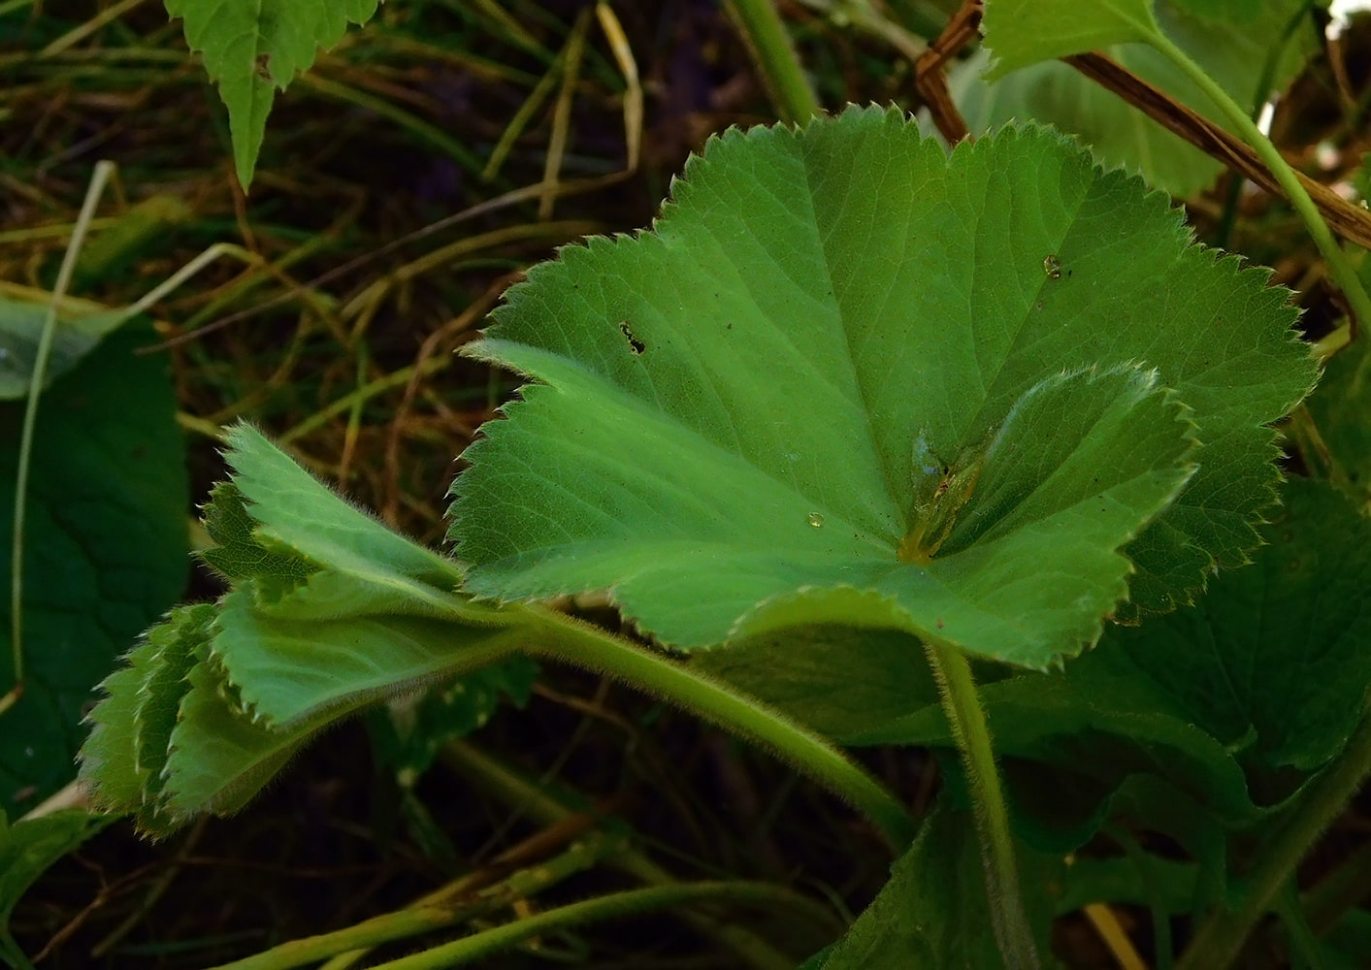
[254,48]
[294,513]
[848,379]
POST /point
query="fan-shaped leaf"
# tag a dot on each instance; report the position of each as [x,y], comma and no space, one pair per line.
[847,379]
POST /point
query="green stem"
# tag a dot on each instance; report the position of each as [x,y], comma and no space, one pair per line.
[775,55]
[525,798]
[580,644]
[613,906]
[971,731]
[103,171]
[1220,938]
[1338,266]
[448,906]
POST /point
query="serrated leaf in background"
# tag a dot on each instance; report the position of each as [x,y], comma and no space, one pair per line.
[1023,32]
[1233,49]
[905,308]
[254,48]
[105,549]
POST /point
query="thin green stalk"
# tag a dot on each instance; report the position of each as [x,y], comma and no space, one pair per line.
[1220,938]
[526,798]
[1338,266]
[618,905]
[775,55]
[971,731]
[448,906]
[103,171]
[582,645]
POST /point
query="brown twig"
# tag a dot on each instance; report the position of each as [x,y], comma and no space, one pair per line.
[929,78]
[1347,220]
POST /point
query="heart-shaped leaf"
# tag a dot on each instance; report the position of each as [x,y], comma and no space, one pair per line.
[849,379]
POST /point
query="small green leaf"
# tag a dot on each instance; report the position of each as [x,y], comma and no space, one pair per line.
[1023,32]
[105,546]
[329,612]
[848,379]
[1233,50]
[237,553]
[292,510]
[253,48]
[934,911]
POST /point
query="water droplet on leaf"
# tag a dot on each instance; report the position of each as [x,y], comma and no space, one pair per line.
[1052,266]
[815,519]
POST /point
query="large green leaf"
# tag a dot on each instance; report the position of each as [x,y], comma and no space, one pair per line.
[105,546]
[253,48]
[848,379]
[1234,50]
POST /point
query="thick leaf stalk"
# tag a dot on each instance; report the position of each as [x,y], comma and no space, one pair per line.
[971,731]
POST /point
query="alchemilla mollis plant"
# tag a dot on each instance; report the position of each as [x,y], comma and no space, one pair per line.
[867,440]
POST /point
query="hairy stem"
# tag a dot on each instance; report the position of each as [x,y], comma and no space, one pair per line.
[771,48]
[613,906]
[971,731]
[1338,266]
[1220,938]
[580,644]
